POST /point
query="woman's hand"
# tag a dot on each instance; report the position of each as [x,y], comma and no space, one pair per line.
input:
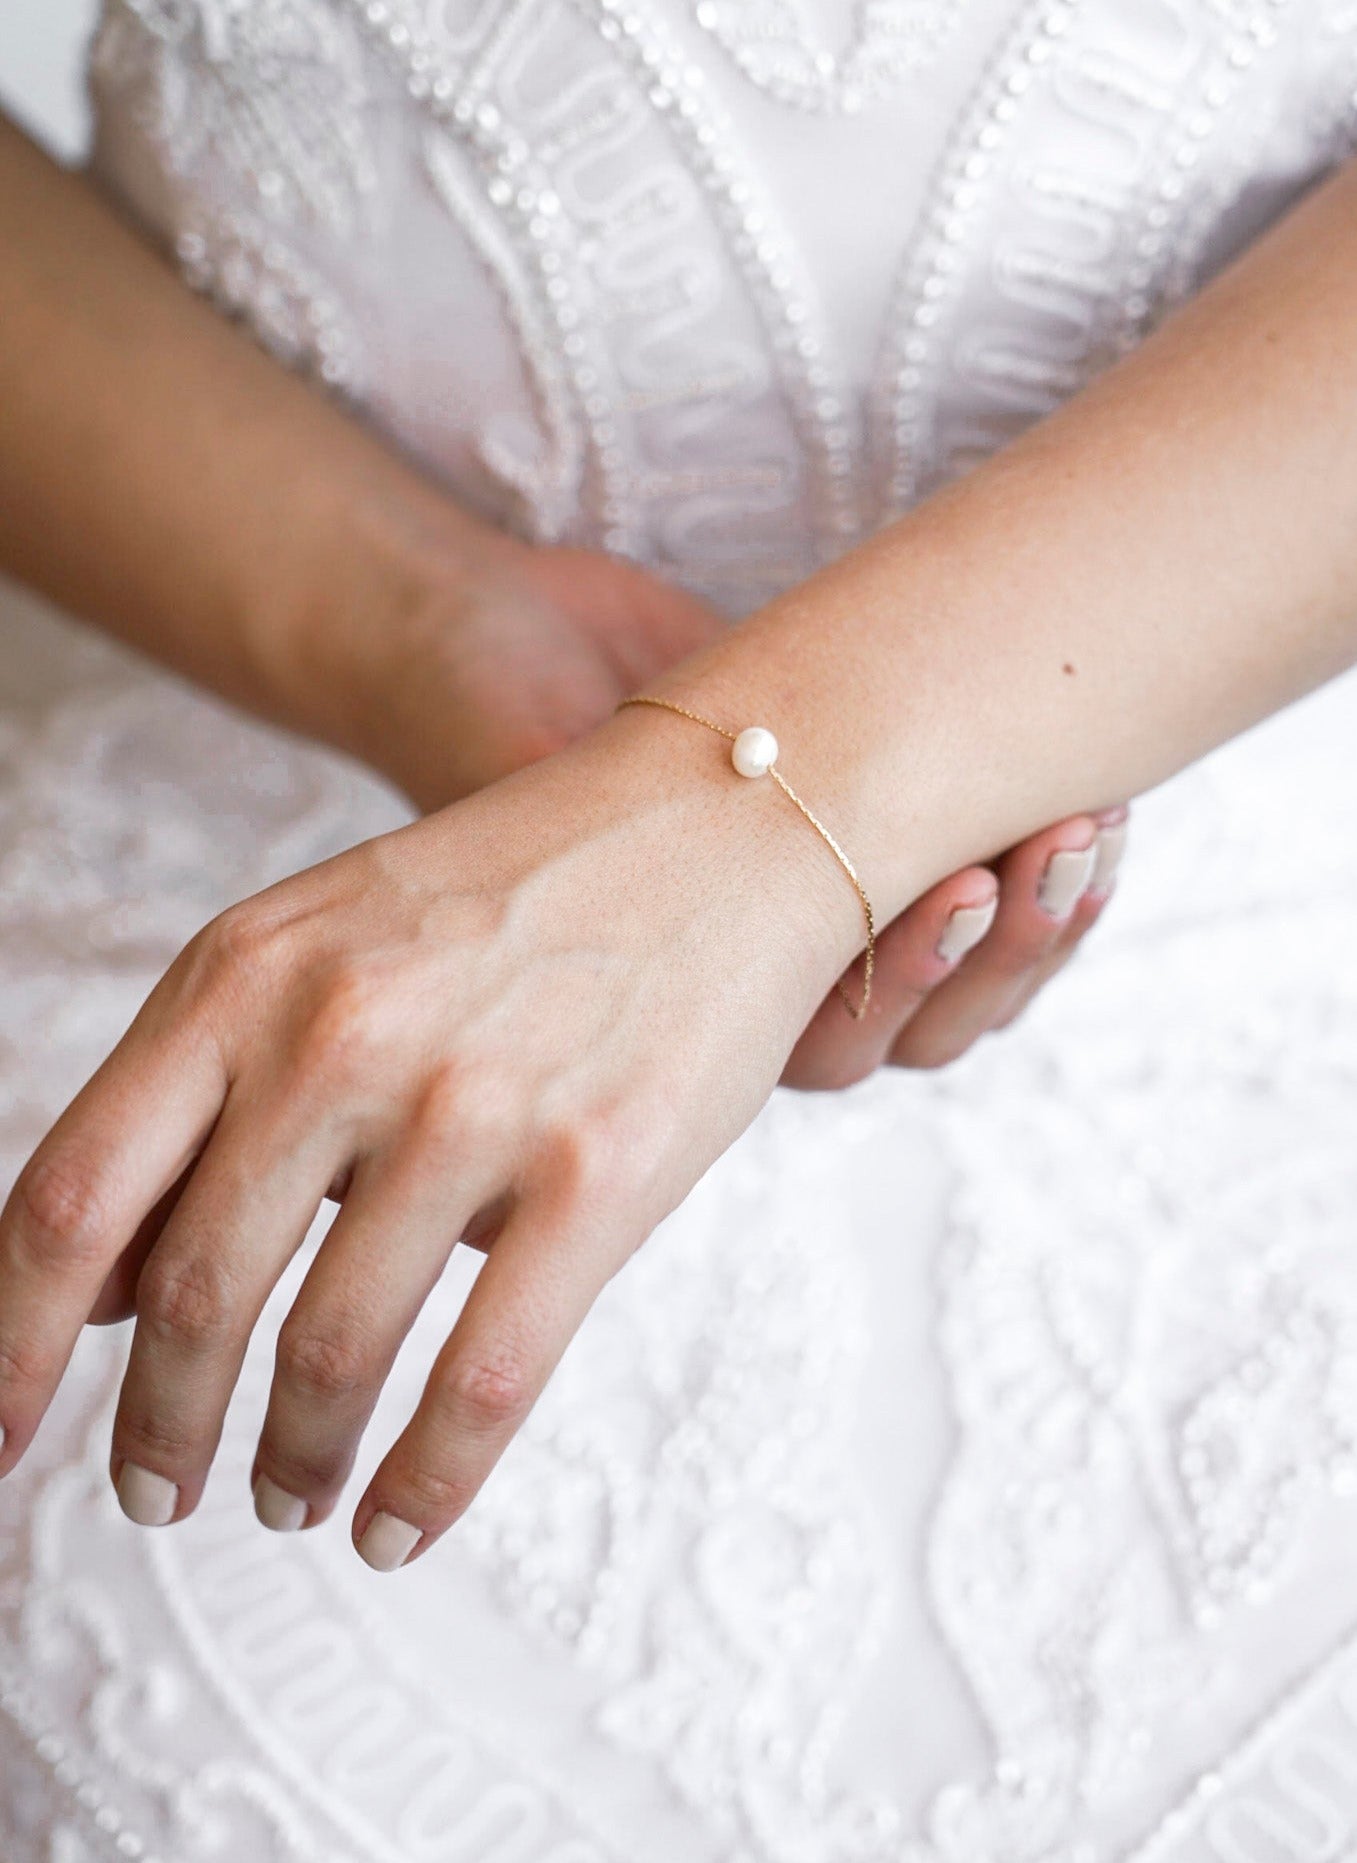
[274,550]
[484,657]
[535,1017]
[479,676]
[969,955]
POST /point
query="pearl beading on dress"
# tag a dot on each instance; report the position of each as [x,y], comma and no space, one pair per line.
[921,343]
[771,43]
[768,266]
[1281,1749]
[548,485]
[677,94]
[255,277]
[565,359]
[79,1788]
[296,157]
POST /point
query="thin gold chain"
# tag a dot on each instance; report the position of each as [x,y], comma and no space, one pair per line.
[856,1010]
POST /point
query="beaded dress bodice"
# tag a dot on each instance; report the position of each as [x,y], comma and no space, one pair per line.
[717,283]
[962,1475]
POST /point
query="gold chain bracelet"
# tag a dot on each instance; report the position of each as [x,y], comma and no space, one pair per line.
[753,753]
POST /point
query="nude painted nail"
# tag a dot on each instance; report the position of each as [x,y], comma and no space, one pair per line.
[276,1509]
[148,1499]
[1066,878]
[388,1542]
[1110,845]
[965,928]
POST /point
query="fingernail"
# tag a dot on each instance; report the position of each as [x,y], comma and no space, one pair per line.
[965,928]
[276,1509]
[1109,844]
[148,1499]
[388,1542]
[1065,879]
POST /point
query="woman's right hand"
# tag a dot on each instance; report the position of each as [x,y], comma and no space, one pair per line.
[535,1017]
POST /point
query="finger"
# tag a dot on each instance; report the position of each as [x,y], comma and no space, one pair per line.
[530,1297]
[241,1217]
[1082,920]
[378,1265]
[1040,883]
[1113,827]
[1110,845]
[913,955]
[112,1156]
[117,1298]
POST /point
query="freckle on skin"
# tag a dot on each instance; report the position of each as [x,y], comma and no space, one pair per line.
[1069,666]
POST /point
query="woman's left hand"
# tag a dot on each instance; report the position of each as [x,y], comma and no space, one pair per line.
[969,955]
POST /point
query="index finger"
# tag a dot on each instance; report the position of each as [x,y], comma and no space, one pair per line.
[121,1144]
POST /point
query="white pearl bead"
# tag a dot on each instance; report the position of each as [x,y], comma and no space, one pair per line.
[754,751]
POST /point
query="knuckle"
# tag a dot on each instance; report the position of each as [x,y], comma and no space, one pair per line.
[324,1362]
[340,1041]
[446,1097]
[429,1495]
[489,1393]
[235,937]
[231,947]
[307,1469]
[22,1367]
[63,1212]
[582,1159]
[155,1440]
[453,1117]
[185,1302]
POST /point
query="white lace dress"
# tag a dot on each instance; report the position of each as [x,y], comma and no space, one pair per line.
[960,1475]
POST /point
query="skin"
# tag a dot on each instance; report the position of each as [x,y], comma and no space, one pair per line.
[164,478]
[523,1019]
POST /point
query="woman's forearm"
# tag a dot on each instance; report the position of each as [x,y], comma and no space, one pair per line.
[1168,558]
[163,477]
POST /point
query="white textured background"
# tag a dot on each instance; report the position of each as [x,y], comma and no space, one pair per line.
[41,54]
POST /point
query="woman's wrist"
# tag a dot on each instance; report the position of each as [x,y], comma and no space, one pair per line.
[788,909]
[843,775]
[384,568]
[165,479]
[1154,567]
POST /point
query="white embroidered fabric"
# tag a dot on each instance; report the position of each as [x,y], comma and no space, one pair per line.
[964,1473]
